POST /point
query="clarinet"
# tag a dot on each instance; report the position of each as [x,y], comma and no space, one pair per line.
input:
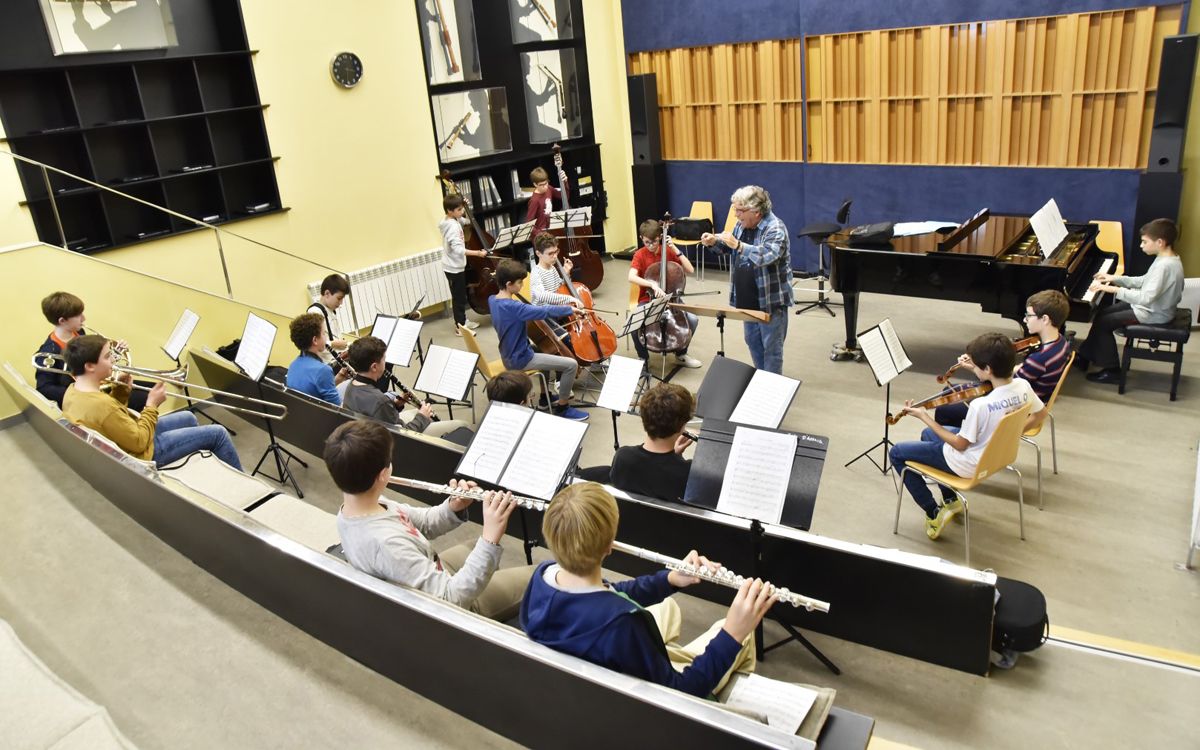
[412,397]
[339,363]
[722,577]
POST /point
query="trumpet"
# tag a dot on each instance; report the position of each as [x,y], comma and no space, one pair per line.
[721,577]
[45,362]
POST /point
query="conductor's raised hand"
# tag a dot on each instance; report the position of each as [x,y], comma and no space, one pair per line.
[497,507]
[753,600]
[708,239]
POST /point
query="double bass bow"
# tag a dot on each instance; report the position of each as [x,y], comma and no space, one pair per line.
[589,268]
[672,333]
[481,272]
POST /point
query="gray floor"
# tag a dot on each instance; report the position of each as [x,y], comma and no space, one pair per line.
[180,660]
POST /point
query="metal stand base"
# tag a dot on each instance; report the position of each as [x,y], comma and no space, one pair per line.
[822,301]
[282,457]
[841,353]
[797,636]
[885,442]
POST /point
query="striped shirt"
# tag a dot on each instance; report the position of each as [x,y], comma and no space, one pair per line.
[543,283]
[1044,367]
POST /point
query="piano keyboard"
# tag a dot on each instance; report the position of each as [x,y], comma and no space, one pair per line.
[1105,267]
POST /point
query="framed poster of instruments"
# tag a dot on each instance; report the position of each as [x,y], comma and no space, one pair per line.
[471,123]
[540,20]
[448,38]
[551,95]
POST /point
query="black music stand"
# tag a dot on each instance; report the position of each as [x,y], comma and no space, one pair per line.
[819,234]
[885,354]
[282,455]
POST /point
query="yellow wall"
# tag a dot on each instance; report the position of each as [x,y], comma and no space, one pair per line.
[1189,207]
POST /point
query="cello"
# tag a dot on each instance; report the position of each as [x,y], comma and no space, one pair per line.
[593,339]
[481,272]
[589,268]
[672,333]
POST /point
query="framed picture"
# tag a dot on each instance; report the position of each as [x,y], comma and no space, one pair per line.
[448,37]
[551,95]
[82,26]
[471,123]
[540,20]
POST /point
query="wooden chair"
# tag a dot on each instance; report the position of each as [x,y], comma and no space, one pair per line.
[998,454]
[1028,436]
[699,210]
[490,368]
[1111,239]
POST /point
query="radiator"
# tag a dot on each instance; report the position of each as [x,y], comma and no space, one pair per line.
[391,288]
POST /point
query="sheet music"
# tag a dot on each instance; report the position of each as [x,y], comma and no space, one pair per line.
[574,217]
[493,442]
[757,475]
[875,349]
[910,228]
[784,704]
[620,383]
[404,340]
[895,348]
[765,400]
[1048,225]
[447,372]
[257,339]
[183,331]
[543,456]
[383,327]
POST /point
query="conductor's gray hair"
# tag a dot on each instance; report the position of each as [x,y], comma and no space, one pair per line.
[752,197]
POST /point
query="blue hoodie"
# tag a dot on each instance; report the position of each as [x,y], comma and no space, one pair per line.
[609,628]
[509,317]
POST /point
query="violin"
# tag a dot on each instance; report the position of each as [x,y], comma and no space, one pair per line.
[589,268]
[1020,346]
[481,272]
[593,339]
[951,395]
[672,333]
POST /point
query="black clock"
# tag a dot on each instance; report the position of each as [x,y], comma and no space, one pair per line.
[346,69]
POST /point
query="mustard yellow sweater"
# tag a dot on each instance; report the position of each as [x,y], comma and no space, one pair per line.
[108,415]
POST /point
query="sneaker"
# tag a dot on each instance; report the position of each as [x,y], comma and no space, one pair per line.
[471,325]
[684,360]
[954,508]
[569,412]
[934,526]
[457,332]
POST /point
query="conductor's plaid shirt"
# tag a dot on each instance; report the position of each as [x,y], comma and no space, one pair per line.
[770,255]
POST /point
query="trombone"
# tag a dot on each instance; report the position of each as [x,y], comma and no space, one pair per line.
[46,361]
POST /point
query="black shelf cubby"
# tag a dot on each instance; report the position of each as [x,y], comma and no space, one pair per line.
[122,156]
[83,219]
[169,88]
[63,150]
[36,101]
[238,136]
[198,196]
[182,145]
[250,189]
[106,95]
[226,81]
[131,221]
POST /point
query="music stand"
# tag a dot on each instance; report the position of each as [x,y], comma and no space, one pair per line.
[819,234]
[623,386]
[257,339]
[885,354]
[721,312]
[645,315]
[173,347]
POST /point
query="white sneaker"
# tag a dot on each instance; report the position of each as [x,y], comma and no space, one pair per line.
[470,325]
[684,360]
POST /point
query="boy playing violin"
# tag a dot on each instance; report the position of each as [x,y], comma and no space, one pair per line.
[958,449]
[650,253]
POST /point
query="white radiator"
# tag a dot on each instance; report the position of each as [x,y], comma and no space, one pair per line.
[391,288]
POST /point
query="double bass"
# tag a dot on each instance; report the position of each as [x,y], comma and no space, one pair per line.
[672,333]
[481,272]
[592,338]
[589,268]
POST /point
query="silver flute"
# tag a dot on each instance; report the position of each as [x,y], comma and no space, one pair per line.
[722,576]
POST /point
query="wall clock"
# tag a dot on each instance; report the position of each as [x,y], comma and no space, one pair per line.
[346,69]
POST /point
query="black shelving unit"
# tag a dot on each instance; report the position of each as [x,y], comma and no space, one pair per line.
[181,128]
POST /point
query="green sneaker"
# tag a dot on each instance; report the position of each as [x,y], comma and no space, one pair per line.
[954,508]
[934,526]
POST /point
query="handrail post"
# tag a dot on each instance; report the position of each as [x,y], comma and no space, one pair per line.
[62,236]
[224,265]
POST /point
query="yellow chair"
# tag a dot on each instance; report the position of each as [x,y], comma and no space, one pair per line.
[490,368]
[730,219]
[1027,436]
[699,210]
[998,454]
[1111,239]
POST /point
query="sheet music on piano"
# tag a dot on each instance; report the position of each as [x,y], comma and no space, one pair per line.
[1049,226]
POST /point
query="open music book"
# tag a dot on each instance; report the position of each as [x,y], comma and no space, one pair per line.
[446,372]
[521,450]
[758,474]
[620,383]
[784,704]
[257,339]
[737,392]
[884,352]
[180,335]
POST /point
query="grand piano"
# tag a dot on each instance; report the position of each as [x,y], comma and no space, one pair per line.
[994,260]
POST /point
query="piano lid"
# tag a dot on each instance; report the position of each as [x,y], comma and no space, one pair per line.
[983,235]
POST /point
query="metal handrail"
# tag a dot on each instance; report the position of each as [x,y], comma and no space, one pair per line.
[217,230]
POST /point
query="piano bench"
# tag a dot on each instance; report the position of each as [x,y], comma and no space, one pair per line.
[1147,342]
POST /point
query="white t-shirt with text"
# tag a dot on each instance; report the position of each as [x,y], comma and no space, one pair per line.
[983,416]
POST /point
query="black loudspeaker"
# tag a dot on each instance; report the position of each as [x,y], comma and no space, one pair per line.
[1159,196]
[649,191]
[643,119]
[1175,77]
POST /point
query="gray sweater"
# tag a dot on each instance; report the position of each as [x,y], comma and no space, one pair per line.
[393,544]
[373,402]
[1154,296]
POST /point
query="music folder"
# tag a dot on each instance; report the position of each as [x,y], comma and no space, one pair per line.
[737,392]
[525,451]
[708,471]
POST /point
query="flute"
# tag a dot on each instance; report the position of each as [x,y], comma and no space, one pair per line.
[722,577]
